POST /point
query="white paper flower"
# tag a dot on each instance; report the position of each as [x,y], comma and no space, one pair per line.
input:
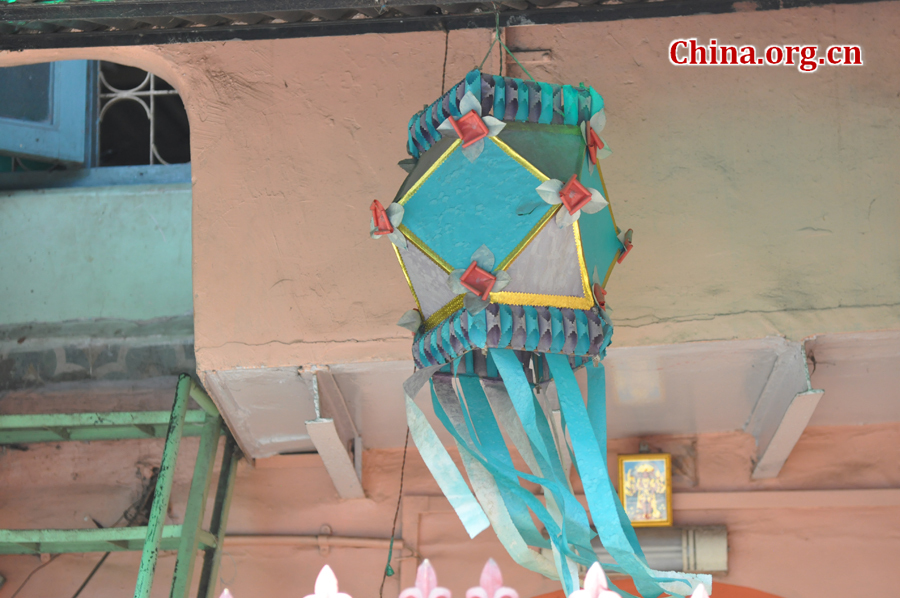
[411,320]
[594,144]
[471,127]
[478,281]
[574,196]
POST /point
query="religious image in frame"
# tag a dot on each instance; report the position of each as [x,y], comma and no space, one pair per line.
[645,488]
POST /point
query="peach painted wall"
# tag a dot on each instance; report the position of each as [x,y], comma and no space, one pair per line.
[764,202]
[790,552]
[763,199]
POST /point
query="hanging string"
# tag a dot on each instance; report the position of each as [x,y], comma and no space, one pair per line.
[446,45]
[496,39]
[388,570]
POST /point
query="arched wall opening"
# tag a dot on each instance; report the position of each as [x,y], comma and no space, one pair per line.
[96,225]
[97,308]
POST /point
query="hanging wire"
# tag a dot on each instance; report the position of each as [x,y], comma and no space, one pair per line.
[388,570]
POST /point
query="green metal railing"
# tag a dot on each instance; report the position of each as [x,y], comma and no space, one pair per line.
[188,538]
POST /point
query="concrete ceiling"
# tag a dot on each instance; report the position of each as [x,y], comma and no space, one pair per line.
[688,388]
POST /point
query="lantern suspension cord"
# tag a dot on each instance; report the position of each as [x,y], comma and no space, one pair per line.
[502,45]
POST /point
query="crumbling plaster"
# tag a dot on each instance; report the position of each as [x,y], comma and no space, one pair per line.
[763,199]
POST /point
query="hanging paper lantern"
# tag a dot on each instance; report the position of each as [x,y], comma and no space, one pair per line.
[505,235]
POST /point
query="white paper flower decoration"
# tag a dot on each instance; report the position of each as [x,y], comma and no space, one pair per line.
[471,127]
[385,223]
[574,196]
[478,281]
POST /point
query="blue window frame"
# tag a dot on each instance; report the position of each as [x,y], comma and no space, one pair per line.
[48,111]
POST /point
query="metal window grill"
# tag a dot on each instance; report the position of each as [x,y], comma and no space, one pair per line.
[145,94]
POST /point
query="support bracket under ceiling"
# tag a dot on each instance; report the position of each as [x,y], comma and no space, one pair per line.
[335,435]
[783,410]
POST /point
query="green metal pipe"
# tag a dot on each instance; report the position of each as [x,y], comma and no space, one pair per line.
[163,490]
[193,517]
[219,522]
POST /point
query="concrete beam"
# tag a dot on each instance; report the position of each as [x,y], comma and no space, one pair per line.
[783,410]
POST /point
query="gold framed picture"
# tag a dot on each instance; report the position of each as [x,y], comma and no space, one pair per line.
[645,488]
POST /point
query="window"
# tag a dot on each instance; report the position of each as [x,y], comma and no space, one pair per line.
[79,115]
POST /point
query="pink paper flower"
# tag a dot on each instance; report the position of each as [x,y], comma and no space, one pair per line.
[327,585]
[491,584]
[595,585]
[426,584]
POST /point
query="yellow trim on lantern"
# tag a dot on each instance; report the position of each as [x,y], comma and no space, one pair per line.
[540,176]
[518,249]
[615,226]
[420,244]
[503,297]
[445,312]
[406,276]
[606,196]
[429,172]
[522,161]
[584,302]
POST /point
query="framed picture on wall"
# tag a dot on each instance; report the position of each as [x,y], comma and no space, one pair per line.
[645,488]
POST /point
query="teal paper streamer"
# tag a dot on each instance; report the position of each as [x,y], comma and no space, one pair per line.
[599,491]
[438,460]
[445,472]
[499,97]
[570,105]
[488,493]
[494,447]
[491,367]
[539,434]
[556,330]
[596,410]
[546,116]
[503,476]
